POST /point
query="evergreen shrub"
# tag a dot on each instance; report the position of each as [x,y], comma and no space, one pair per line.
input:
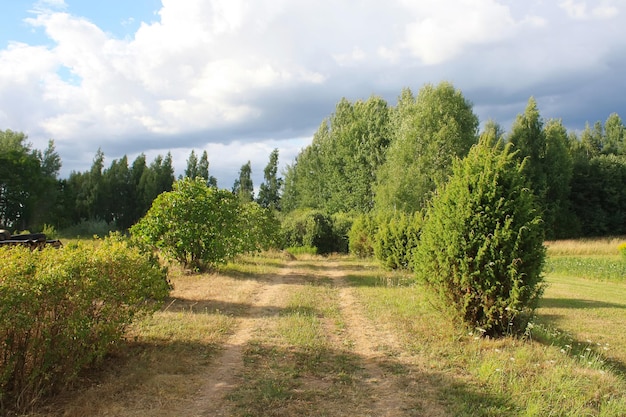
[362,235]
[481,248]
[396,239]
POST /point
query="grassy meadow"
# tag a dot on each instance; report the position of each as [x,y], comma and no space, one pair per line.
[338,336]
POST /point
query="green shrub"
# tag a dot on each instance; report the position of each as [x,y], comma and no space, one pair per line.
[396,239]
[308,228]
[260,229]
[341,224]
[361,236]
[63,309]
[197,225]
[88,229]
[481,247]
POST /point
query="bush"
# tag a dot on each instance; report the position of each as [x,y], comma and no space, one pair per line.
[259,228]
[88,229]
[197,225]
[341,224]
[63,309]
[481,247]
[396,239]
[362,236]
[310,228]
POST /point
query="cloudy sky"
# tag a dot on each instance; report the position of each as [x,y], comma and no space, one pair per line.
[239,78]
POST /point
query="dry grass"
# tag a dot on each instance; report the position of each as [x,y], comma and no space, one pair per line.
[585,247]
[164,361]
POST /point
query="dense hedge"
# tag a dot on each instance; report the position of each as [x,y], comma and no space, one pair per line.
[62,310]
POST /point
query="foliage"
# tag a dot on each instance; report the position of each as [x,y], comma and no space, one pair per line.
[269,191]
[622,250]
[481,247]
[396,239]
[336,173]
[598,195]
[28,192]
[341,223]
[259,228]
[428,131]
[243,187]
[310,228]
[362,235]
[548,166]
[63,309]
[194,224]
[199,168]
[88,228]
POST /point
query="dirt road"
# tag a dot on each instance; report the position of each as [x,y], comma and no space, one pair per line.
[299,342]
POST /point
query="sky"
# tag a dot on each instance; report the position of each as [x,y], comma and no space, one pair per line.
[238,78]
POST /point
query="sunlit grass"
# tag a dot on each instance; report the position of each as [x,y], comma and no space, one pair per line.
[602,268]
[585,247]
[570,365]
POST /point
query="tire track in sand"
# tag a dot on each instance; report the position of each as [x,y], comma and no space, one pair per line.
[392,395]
[222,375]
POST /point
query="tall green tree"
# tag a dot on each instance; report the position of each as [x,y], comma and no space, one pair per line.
[20,172]
[243,187]
[336,172]
[558,166]
[203,170]
[120,194]
[428,133]
[269,191]
[548,165]
[193,170]
[614,136]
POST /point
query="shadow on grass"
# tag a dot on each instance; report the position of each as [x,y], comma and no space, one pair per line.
[547,333]
[203,306]
[576,303]
[275,381]
[280,381]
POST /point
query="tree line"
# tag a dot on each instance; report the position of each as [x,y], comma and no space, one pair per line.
[370,157]
[115,197]
[367,157]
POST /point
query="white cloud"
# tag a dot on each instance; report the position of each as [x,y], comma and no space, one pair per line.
[580,11]
[211,71]
[441,29]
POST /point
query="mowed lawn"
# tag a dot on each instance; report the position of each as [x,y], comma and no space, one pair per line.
[340,336]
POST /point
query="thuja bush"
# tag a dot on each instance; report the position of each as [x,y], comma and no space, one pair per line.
[362,235]
[481,247]
[63,309]
[396,239]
